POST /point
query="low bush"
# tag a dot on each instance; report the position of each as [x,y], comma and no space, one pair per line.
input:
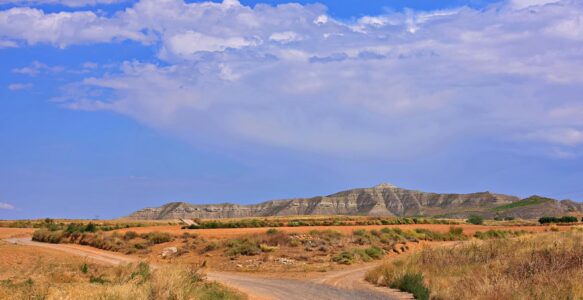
[242,247]
[498,234]
[375,252]
[210,247]
[344,257]
[564,219]
[475,219]
[412,283]
[272,231]
[47,236]
[130,235]
[327,235]
[157,237]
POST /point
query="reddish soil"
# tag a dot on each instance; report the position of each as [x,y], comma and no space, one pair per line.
[234,232]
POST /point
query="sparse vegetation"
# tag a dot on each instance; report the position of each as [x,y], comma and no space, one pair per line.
[139,281]
[475,219]
[564,219]
[412,283]
[532,200]
[541,266]
[498,234]
[246,247]
[128,243]
[329,221]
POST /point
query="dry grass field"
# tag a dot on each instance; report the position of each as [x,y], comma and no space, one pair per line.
[540,266]
[38,273]
[435,259]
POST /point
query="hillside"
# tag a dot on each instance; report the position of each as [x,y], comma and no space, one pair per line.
[380,200]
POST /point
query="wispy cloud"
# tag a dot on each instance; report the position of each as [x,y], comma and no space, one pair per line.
[71,3]
[6,206]
[19,86]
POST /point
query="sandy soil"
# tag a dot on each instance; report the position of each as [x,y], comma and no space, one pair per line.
[234,232]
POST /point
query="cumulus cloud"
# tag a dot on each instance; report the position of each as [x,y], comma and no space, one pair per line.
[19,86]
[6,206]
[63,28]
[291,76]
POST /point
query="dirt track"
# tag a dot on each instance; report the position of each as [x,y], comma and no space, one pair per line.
[341,285]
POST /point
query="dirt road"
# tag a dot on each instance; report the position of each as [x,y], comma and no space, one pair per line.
[340,285]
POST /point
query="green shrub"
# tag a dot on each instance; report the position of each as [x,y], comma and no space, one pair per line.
[84,269]
[242,247]
[565,219]
[345,258]
[475,219]
[412,283]
[375,252]
[272,231]
[327,235]
[456,230]
[97,280]
[130,235]
[498,234]
[158,237]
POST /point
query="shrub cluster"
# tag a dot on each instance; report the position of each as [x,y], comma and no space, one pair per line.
[498,234]
[88,235]
[412,283]
[333,221]
[475,219]
[564,219]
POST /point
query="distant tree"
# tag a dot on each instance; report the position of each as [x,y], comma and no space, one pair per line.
[564,219]
[475,219]
[90,227]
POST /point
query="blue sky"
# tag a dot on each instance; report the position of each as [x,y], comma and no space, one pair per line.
[108,106]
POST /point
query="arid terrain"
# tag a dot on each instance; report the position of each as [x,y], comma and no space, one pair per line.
[323,262]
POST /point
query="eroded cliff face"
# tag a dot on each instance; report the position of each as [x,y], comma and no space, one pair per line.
[380,200]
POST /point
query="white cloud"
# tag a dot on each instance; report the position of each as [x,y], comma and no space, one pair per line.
[290,76]
[6,206]
[36,68]
[71,3]
[520,4]
[560,136]
[190,42]
[7,44]
[19,86]
[285,37]
[64,28]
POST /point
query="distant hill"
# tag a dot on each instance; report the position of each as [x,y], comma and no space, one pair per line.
[381,200]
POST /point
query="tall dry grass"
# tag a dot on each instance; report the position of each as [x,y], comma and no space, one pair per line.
[139,282]
[543,266]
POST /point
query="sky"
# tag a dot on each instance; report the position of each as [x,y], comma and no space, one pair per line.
[109,106]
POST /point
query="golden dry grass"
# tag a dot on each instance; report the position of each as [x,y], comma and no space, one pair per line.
[36,273]
[540,266]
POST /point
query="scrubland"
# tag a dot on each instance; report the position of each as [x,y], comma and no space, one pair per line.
[506,266]
[32,273]
[271,250]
